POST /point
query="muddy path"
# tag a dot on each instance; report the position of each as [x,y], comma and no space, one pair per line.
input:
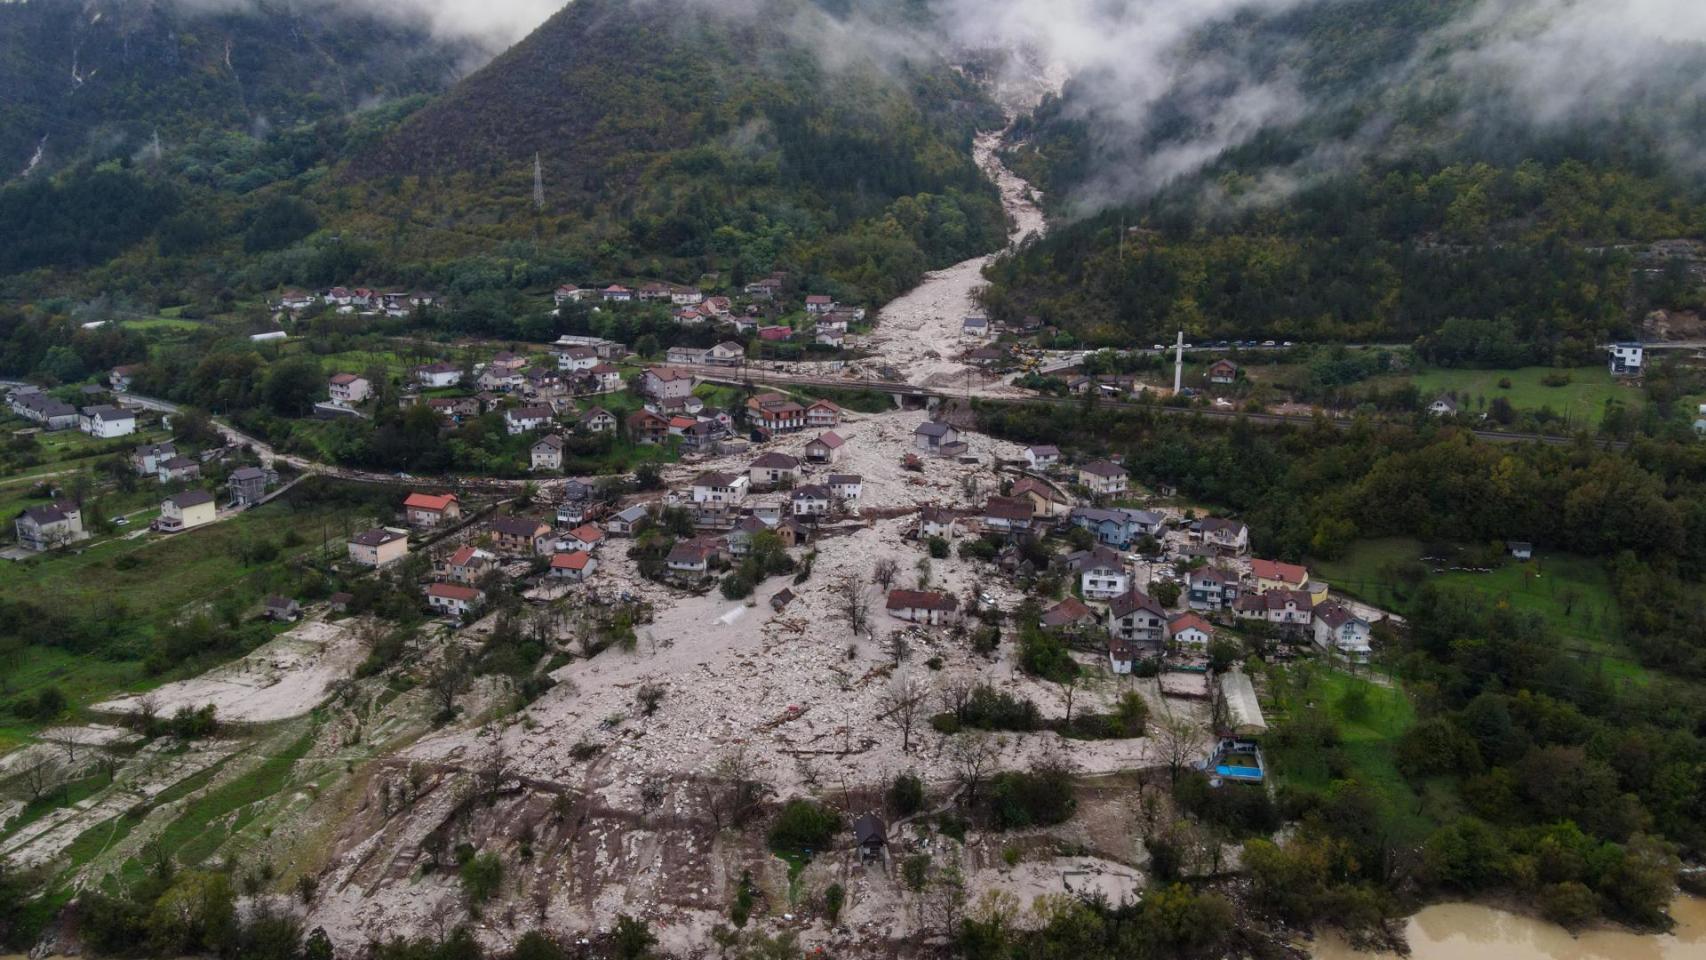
[919,332]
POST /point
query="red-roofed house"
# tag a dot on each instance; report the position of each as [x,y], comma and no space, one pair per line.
[576,565]
[431,509]
[1192,631]
[453,599]
[924,606]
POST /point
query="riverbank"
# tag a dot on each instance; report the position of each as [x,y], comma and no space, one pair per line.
[1473,931]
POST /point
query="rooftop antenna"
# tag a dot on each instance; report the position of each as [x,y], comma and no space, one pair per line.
[538,184]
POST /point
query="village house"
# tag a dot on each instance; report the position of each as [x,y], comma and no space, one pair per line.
[147,458]
[598,420]
[870,836]
[685,355]
[1103,478]
[296,300]
[645,426]
[1117,527]
[1339,630]
[543,383]
[436,376]
[576,359]
[247,486]
[520,420]
[693,558]
[1046,499]
[818,304]
[774,469]
[661,383]
[500,380]
[43,410]
[520,536]
[453,599]
[1625,358]
[379,547]
[1070,615]
[932,435]
[1042,457]
[121,377]
[725,354]
[936,521]
[1520,549]
[846,487]
[50,526]
[567,293]
[1443,406]
[427,510]
[829,337]
[546,453]
[1212,589]
[467,564]
[105,422]
[1223,372]
[822,414]
[811,500]
[740,538]
[1291,608]
[924,606]
[623,522]
[1273,575]
[574,566]
[1191,632]
[186,512]
[280,609]
[178,470]
[719,487]
[586,538]
[603,378]
[349,389]
[775,413]
[826,448]
[1123,655]
[975,325]
[1102,573]
[1227,535]
[1136,616]
[1008,515]
[775,333]
[454,409]
[616,293]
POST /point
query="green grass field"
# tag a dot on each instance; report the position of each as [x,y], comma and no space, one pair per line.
[1572,595]
[1370,717]
[1582,400]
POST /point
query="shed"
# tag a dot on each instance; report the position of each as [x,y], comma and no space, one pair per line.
[871,834]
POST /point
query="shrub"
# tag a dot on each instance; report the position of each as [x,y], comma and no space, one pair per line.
[833,898]
[744,897]
[482,875]
[803,826]
[1568,904]
[915,871]
[939,548]
[906,794]
[1037,798]
[736,586]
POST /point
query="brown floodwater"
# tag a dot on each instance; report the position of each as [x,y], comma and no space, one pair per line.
[1469,931]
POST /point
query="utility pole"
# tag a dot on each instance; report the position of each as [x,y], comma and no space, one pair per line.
[1179,364]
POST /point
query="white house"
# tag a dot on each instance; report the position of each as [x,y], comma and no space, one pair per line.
[547,453]
[1042,457]
[576,565]
[1336,628]
[349,389]
[826,448]
[436,376]
[773,468]
[1443,406]
[846,487]
[936,522]
[718,487]
[53,525]
[812,500]
[106,422]
[932,435]
[1136,616]
[1626,358]
[186,511]
[924,606]
[1191,631]
[1229,535]
[520,420]
[1102,574]
[453,599]
[1103,478]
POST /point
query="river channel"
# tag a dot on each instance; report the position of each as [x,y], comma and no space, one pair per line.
[1470,931]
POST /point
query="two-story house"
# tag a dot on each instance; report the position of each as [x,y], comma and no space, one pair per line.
[774,469]
[1338,629]
[427,510]
[186,511]
[50,526]
[1211,588]
[1102,573]
[379,547]
[719,487]
[520,536]
[1103,478]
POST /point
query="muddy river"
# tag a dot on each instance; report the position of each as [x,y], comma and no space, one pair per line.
[1467,931]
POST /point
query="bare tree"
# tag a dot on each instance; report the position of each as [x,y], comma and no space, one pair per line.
[885,572]
[903,704]
[1180,741]
[41,779]
[943,903]
[1068,687]
[491,773]
[899,647]
[973,756]
[855,605]
[731,792]
[448,678]
[955,695]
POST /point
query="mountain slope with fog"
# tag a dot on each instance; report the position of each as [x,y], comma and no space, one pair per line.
[1413,178]
[102,78]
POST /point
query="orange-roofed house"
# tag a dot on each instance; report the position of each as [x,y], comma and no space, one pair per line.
[576,565]
[585,538]
[453,599]
[1274,575]
[1191,631]
[431,509]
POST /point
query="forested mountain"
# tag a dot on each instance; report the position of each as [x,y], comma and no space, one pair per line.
[679,132]
[1403,191]
[102,78]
